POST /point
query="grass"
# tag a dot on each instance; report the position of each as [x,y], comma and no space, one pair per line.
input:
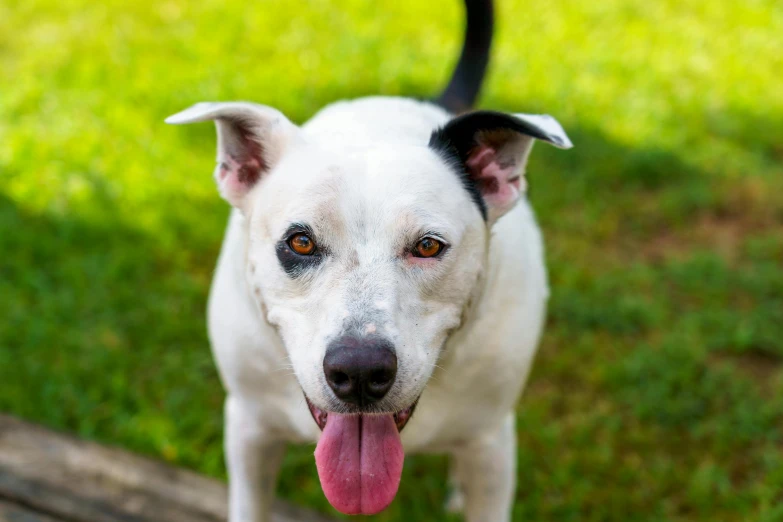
[658,390]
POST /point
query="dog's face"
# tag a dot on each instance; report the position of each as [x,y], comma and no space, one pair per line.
[365,258]
[372,247]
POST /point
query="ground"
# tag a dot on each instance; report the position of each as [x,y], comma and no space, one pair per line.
[658,390]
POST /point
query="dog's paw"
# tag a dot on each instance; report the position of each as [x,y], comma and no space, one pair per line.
[455,503]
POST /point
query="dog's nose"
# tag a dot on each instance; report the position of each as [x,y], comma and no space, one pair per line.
[360,370]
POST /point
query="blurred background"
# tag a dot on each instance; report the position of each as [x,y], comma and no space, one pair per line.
[658,390]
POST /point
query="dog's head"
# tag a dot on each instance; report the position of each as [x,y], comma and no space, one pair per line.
[352,247]
[365,256]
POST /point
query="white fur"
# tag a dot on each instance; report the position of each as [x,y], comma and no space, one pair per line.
[465,327]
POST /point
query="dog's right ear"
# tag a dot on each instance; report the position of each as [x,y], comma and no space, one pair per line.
[251,140]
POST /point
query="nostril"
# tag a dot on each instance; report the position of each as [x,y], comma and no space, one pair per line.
[380,377]
[379,382]
[340,382]
[339,378]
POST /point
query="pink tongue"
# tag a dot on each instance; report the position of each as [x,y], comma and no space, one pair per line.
[359,460]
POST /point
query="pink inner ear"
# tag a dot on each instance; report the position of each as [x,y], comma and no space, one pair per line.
[498,182]
[235,177]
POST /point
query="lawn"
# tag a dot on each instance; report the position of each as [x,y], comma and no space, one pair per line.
[658,390]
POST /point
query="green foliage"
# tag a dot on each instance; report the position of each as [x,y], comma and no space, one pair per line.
[658,391]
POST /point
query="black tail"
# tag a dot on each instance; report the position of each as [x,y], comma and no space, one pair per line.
[463,88]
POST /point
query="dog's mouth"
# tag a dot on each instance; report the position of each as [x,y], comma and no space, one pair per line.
[401,418]
[359,458]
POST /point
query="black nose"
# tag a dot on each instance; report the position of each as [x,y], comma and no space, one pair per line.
[360,370]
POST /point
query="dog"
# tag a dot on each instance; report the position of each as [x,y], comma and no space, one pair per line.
[381,258]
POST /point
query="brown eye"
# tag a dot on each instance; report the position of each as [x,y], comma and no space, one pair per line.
[302,244]
[428,247]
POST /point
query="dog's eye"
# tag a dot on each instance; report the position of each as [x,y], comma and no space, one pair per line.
[428,247]
[302,244]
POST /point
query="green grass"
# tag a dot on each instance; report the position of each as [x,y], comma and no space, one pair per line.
[658,390]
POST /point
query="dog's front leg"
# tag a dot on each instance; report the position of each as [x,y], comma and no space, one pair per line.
[253,459]
[485,471]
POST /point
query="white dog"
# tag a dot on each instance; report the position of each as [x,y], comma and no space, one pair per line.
[381,258]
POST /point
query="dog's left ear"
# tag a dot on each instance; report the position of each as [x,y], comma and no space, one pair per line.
[491,150]
[251,140]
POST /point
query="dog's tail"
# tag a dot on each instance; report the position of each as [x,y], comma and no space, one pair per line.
[463,88]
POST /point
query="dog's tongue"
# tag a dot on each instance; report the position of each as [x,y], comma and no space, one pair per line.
[359,460]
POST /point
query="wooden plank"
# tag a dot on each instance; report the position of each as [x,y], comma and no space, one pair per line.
[10,512]
[85,482]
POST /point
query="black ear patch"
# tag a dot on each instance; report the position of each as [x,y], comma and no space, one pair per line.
[461,137]
[442,145]
[461,131]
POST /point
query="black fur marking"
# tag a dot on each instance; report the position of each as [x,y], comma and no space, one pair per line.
[462,130]
[295,265]
[463,88]
[455,141]
[443,146]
